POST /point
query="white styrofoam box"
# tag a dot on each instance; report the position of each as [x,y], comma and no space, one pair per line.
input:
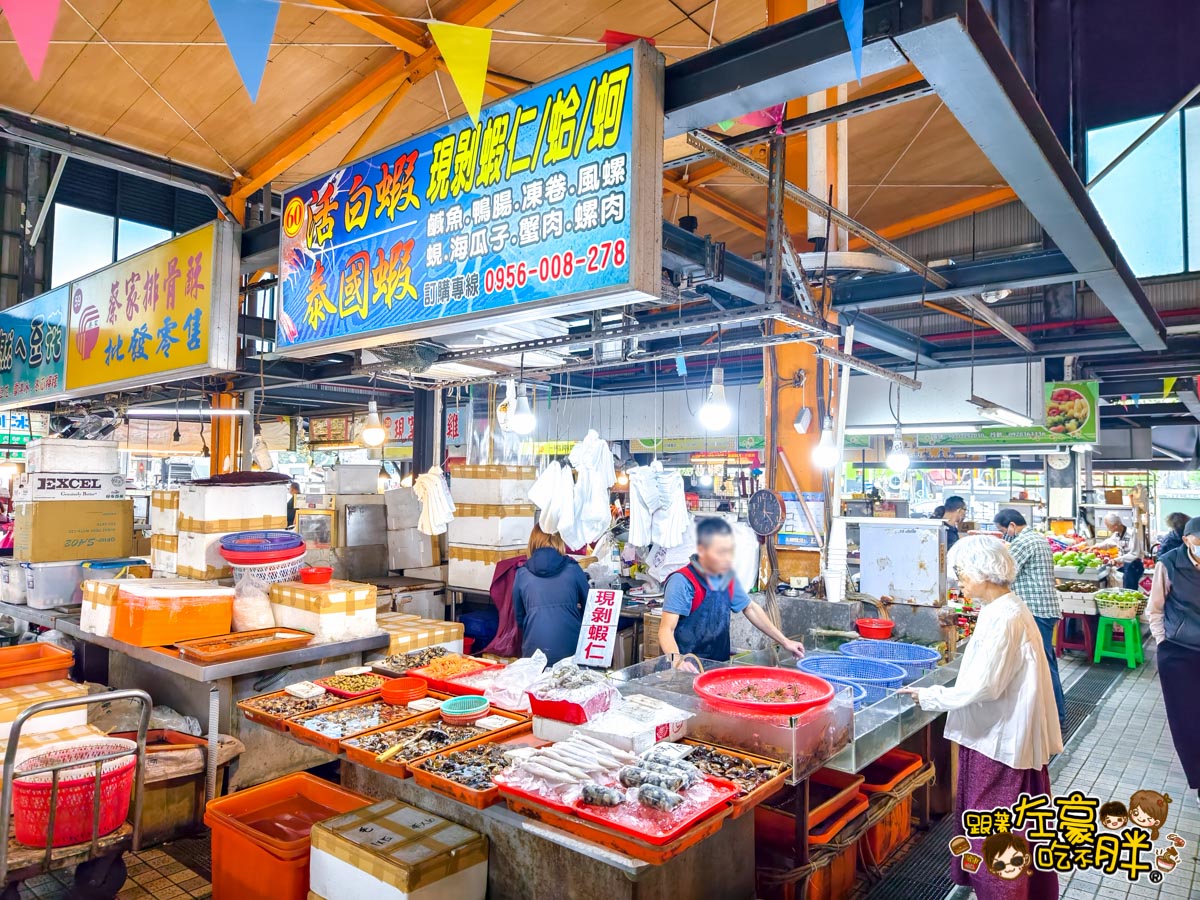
[164,512]
[232,503]
[499,527]
[352,479]
[164,552]
[409,548]
[491,484]
[440,574]
[64,455]
[403,508]
[99,604]
[14,700]
[429,604]
[473,568]
[199,556]
[52,584]
[12,583]
[334,879]
[74,486]
[329,626]
[638,724]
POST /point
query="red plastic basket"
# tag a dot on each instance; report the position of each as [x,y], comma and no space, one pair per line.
[76,792]
[875,629]
[713,685]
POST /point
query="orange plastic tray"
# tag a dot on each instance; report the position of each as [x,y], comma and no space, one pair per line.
[613,840]
[398,768]
[745,802]
[832,826]
[841,787]
[447,685]
[33,664]
[296,728]
[246,644]
[521,735]
[276,723]
[778,827]
[719,805]
[889,770]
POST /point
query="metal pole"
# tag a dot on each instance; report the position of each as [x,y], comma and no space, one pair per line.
[776,227]
[47,202]
[1145,136]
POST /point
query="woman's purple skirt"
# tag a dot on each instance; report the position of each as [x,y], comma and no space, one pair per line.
[985,784]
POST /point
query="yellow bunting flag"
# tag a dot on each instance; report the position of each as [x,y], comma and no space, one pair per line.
[465,51]
[1168,386]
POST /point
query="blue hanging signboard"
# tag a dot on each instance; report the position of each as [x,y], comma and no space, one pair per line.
[33,351]
[551,204]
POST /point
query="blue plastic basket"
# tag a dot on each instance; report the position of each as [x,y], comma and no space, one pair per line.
[877,677]
[261,541]
[913,658]
[860,693]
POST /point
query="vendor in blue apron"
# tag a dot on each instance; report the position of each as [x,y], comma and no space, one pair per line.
[701,596]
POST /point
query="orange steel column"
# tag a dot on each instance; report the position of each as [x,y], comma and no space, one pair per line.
[783,364]
[226,445]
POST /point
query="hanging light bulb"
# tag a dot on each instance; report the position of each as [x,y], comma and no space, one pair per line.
[715,414]
[826,454]
[622,478]
[706,480]
[522,420]
[898,459]
[373,433]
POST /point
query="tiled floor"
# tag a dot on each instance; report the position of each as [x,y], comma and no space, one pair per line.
[152,873]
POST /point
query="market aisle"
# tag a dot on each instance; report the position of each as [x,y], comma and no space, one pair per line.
[1125,747]
[153,873]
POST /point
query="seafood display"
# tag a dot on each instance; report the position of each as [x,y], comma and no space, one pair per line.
[417,740]
[777,693]
[598,795]
[743,772]
[561,768]
[352,684]
[451,665]
[636,776]
[285,706]
[658,797]
[473,767]
[338,723]
[402,662]
[572,694]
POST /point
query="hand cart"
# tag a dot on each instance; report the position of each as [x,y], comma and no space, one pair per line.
[100,870]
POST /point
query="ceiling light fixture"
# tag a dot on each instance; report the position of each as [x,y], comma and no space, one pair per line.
[373,433]
[898,459]
[1000,414]
[826,454]
[715,414]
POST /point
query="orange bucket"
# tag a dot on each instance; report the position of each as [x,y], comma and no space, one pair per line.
[260,836]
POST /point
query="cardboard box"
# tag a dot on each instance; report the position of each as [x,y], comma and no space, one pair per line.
[65,455]
[61,530]
[78,486]
[225,508]
[396,851]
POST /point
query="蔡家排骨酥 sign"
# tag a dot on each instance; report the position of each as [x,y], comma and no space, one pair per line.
[553,196]
[165,313]
[33,337]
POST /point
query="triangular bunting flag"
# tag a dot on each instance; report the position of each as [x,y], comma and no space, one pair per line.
[32,23]
[1168,386]
[613,40]
[852,18]
[465,50]
[248,27]
[726,124]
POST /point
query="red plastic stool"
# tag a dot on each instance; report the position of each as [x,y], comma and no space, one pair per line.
[1084,637]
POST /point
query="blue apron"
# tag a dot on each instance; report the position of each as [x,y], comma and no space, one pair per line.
[705,631]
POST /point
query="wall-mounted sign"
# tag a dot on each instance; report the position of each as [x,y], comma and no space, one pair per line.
[802,528]
[553,198]
[166,313]
[33,337]
[399,426]
[708,443]
[1071,416]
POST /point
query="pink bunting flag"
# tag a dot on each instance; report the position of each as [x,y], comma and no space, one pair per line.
[772,115]
[614,39]
[32,23]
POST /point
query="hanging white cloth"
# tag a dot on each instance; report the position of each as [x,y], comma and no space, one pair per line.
[593,463]
[437,506]
[554,495]
[658,511]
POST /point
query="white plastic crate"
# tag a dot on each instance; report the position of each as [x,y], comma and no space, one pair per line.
[48,585]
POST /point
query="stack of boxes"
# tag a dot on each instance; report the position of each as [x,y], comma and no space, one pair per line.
[408,633]
[70,508]
[359,537]
[209,512]
[336,611]
[492,522]
[409,550]
[164,532]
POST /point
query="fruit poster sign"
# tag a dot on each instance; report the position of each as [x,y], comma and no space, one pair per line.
[1071,415]
[551,203]
[166,313]
[33,338]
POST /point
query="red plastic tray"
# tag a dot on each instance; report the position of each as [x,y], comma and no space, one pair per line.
[550,801]
[449,687]
[601,815]
[707,684]
[563,710]
[347,694]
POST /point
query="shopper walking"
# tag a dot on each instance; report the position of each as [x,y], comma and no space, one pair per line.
[953,514]
[1035,585]
[1000,710]
[1174,536]
[1129,550]
[548,596]
[1174,616]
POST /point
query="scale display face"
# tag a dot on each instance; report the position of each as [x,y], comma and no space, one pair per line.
[766,513]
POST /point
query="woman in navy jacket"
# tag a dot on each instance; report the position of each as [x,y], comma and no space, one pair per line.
[549,593]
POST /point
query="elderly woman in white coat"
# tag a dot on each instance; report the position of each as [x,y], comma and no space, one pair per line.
[1000,711]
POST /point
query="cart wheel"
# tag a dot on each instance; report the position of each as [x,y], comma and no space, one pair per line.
[98,879]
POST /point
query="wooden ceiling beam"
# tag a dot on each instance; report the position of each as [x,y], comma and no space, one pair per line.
[375,87]
[382,22]
[718,205]
[937,217]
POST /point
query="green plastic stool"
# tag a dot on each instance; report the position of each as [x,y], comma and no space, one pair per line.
[1129,648]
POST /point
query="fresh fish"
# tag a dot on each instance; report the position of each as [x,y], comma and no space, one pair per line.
[657,797]
[690,773]
[549,775]
[598,795]
[627,758]
[632,776]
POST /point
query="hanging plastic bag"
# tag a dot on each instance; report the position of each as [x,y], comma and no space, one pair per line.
[508,690]
[252,606]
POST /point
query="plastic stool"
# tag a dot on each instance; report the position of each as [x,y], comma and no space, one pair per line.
[1085,637]
[1129,648]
